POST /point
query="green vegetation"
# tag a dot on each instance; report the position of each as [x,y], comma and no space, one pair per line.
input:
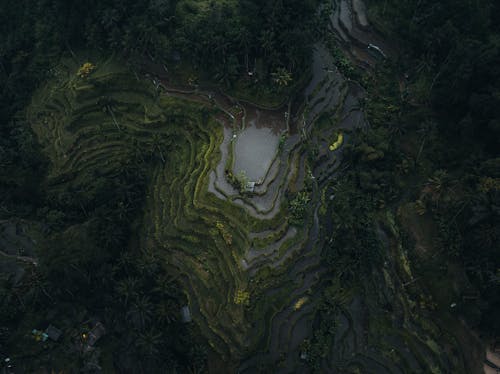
[451,101]
[406,212]
[298,207]
[127,181]
[104,135]
[370,246]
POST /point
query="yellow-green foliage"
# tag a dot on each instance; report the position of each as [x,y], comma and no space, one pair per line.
[489,184]
[405,262]
[323,207]
[433,345]
[85,69]
[298,207]
[228,238]
[242,297]
[282,77]
[420,207]
[337,143]
[300,303]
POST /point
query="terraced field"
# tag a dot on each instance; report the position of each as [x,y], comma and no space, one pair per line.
[235,254]
[253,276]
[353,32]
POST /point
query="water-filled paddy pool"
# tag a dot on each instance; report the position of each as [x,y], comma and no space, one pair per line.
[256,146]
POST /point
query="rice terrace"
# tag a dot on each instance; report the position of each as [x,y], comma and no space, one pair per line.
[248,187]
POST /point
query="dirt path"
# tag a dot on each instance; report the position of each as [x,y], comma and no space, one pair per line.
[27,259]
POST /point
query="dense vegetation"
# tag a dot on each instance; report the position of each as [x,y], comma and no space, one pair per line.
[223,37]
[430,159]
[90,265]
[450,53]
[427,169]
[265,37]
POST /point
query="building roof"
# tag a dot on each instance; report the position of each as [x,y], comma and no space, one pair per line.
[250,187]
[185,314]
[96,333]
[53,332]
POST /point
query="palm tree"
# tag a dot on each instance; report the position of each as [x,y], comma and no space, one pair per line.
[167,311]
[245,44]
[267,42]
[107,103]
[438,185]
[147,263]
[156,144]
[124,263]
[198,357]
[113,234]
[39,289]
[109,19]
[227,70]
[486,235]
[122,210]
[282,77]
[148,342]
[140,313]
[165,286]
[220,48]
[484,209]
[128,288]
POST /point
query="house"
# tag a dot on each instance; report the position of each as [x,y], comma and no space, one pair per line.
[53,333]
[96,333]
[250,187]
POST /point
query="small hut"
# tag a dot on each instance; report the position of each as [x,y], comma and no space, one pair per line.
[250,187]
[186,314]
[96,333]
[53,332]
